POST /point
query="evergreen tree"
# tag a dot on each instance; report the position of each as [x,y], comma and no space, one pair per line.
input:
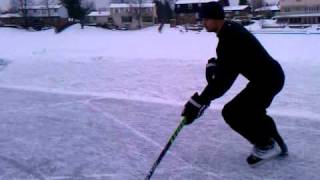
[169,11]
[76,9]
[243,2]
[164,11]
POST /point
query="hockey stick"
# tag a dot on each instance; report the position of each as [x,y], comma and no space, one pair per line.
[165,149]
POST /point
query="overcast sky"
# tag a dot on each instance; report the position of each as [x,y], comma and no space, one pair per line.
[4,4]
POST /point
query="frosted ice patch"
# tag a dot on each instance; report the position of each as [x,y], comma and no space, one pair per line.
[3,64]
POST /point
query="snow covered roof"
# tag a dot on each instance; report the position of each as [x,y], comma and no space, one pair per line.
[99,13]
[270,2]
[55,6]
[9,15]
[235,8]
[125,5]
[268,8]
[299,15]
[194,1]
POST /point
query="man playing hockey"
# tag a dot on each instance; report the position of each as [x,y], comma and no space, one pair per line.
[239,52]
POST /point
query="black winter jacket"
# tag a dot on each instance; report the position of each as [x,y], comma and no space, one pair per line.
[239,52]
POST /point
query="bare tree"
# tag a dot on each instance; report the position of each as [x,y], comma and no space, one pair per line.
[14,6]
[139,13]
[136,8]
[23,9]
[23,6]
[256,4]
[46,3]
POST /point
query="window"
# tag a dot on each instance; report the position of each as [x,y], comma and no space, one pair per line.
[197,15]
[147,19]
[190,6]
[295,20]
[311,20]
[126,19]
[146,10]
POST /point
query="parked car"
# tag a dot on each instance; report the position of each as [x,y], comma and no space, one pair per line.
[244,22]
[194,27]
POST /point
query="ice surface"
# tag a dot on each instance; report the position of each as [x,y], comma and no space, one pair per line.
[100,104]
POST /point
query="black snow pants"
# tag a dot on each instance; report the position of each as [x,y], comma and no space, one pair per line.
[246,113]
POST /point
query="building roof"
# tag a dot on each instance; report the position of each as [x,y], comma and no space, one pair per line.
[268,8]
[298,15]
[125,5]
[99,13]
[270,2]
[235,8]
[9,15]
[194,1]
[54,6]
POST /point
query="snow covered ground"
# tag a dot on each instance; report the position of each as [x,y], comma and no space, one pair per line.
[100,104]
[269,26]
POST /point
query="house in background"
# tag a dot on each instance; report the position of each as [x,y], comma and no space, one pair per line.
[38,16]
[187,11]
[255,4]
[52,15]
[238,12]
[266,12]
[99,18]
[10,19]
[299,12]
[133,16]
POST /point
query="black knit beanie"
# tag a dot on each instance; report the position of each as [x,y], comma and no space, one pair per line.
[211,10]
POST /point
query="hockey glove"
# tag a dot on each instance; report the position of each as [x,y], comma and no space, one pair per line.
[193,109]
[211,69]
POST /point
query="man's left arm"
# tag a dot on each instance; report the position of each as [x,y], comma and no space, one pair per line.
[220,77]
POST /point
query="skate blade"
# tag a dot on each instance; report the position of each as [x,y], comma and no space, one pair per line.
[258,161]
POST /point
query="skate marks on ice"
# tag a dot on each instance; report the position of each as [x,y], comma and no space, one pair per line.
[25,168]
[56,136]
[210,145]
[55,139]
[3,64]
[184,167]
